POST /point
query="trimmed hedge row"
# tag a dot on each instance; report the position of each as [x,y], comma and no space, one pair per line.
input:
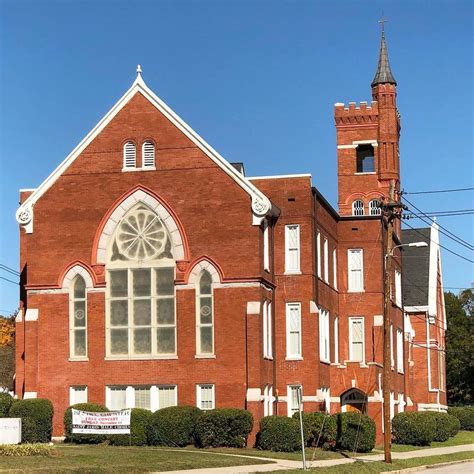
[320,429]
[421,428]
[279,433]
[6,401]
[465,415]
[36,419]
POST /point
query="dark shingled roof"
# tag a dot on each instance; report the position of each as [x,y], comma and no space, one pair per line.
[384,73]
[416,267]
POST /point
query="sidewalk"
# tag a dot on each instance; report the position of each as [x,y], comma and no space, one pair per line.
[282,464]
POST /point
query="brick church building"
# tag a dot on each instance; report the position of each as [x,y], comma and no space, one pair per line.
[155,273]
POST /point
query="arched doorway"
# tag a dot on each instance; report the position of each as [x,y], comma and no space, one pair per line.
[354,400]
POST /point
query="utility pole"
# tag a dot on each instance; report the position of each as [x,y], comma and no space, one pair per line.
[387,363]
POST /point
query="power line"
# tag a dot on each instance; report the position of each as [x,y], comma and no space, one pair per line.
[452,236]
[9,270]
[11,281]
[439,191]
[442,246]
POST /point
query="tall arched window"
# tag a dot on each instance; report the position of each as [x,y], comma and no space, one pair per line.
[358,208]
[205,315]
[141,319]
[129,155]
[78,318]
[375,208]
[148,155]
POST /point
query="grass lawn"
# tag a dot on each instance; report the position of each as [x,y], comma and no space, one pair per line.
[319,455]
[463,437]
[378,466]
[92,459]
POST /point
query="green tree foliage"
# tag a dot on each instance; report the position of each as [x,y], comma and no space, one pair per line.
[460,347]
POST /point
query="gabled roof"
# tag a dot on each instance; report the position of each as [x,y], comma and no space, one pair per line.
[261,205]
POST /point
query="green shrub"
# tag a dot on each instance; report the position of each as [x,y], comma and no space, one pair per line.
[279,433]
[139,421]
[36,418]
[414,428]
[6,401]
[83,438]
[465,415]
[25,450]
[320,429]
[355,432]
[173,426]
[445,425]
[223,427]
[454,425]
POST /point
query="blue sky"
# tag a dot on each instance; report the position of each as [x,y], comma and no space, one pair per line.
[257,79]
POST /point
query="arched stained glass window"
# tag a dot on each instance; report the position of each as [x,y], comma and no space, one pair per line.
[78,318]
[205,315]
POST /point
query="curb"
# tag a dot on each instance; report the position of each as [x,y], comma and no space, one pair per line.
[427,466]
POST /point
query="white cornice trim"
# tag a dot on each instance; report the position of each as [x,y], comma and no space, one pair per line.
[416,309]
[282,176]
[261,205]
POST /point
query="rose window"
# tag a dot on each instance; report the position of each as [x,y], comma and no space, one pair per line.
[141,235]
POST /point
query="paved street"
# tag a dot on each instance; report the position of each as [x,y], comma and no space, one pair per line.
[464,468]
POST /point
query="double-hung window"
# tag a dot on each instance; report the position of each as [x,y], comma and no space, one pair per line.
[324,335]
[336,340]
[334,267]
[117,398]
[77,394]
[400,350]
[318,253]
[205,394]
[167,396]
[293,331]
[356,339]
[356,270]
[326,261]
[398,288]
[292,248]
[293,405]
[267,330]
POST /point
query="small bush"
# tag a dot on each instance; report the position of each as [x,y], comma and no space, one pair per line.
[413,428]
[320,429]
[454,425]
[36,418]
[223,427]
[6,401]
[173,426]
[25,450]
[82,438]
[279,433]
[139,421]
[355,432]
[444,425]
[465,415]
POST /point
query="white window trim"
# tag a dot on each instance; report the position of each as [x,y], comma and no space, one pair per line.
[334,267]
[375,207]
[268,400]
[400,358]
[148,167]
[318,252]
[324,337]
[326,260]
[289,399]
[356,209]
[267,330]
[199,353]
[266,246]
[351,354]
[297,270]
[130,394]
[198,395]
[72,394]
[72,328]
[398,288]
[125,167]
[336,340]
[392,357]
[296,356]
[349,286]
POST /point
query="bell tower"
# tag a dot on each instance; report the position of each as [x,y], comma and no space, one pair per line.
[368,144]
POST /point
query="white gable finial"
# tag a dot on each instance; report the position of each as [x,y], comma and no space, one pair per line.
[139,69]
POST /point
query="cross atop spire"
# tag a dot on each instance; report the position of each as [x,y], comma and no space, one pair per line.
[383,74]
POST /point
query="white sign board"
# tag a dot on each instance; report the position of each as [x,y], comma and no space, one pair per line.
[114,422]
[10,430]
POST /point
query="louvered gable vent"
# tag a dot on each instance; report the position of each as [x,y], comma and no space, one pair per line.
[129,155]
[148,154]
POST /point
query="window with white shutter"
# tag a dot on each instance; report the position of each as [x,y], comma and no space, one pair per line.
[326,260]
[336,340]
[129,155]
[334,267]
[356,339]
[392,359]
[399,350]
[292,248]
[148,155]
[398,288]
[293,330]
[356,270]
[267,330]
[266,246]
[318,252]
[324,335]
